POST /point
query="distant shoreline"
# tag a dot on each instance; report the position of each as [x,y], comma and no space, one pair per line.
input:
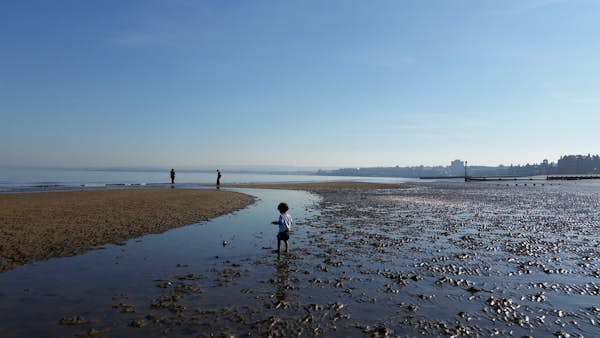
[318,186]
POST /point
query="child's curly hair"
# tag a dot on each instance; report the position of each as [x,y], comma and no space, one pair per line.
[283,207]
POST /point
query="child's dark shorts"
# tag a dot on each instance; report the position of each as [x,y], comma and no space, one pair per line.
[283,236]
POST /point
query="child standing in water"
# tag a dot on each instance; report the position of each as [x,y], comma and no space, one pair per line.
[285,225]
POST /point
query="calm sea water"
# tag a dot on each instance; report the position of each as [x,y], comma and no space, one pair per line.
[28,178]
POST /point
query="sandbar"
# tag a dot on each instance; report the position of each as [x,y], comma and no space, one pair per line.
[35,226]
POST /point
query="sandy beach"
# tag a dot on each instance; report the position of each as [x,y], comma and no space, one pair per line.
[37,226]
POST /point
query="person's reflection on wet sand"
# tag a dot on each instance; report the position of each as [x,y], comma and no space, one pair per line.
[282,279]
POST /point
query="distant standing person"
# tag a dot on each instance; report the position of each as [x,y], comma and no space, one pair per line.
[218,177]
[172,176]
[285,225]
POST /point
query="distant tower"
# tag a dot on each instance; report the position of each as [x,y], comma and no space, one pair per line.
[466,177]
[545,167]
[456,167]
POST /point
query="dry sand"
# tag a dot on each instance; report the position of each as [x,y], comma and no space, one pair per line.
[36,226]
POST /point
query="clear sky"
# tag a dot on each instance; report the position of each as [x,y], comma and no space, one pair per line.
[298,83]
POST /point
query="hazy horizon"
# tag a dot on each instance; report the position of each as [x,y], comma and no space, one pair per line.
[257,168]
[308,84]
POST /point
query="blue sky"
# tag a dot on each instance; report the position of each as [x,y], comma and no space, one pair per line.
[297,83]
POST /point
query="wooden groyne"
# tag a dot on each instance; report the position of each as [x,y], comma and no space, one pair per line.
[481,178]
[439,177]
[572,177]
[503,178]
[514,178]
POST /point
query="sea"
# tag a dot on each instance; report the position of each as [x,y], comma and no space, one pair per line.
[26,179]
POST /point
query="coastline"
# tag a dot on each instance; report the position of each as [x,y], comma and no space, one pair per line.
[41,225]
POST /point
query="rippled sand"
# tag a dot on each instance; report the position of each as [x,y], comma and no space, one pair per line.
[37,226]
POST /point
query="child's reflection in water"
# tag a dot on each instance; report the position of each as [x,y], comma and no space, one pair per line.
[282,278]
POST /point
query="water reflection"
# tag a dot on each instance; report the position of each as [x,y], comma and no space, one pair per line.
[282,277]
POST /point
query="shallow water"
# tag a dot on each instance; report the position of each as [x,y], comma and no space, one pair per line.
[35,297]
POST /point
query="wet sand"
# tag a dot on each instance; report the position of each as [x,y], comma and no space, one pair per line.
[37,226]
[457,260]
[417,259]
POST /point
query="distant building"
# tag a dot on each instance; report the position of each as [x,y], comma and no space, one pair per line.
[567,164]
[456,168]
